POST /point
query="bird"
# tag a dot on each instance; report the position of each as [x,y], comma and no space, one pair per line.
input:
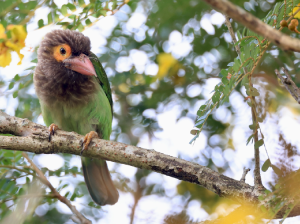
[75,95]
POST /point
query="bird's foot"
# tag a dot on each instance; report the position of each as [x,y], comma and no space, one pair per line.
[87,139]
[52,129]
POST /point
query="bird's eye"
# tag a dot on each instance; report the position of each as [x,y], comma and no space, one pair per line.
[62,51]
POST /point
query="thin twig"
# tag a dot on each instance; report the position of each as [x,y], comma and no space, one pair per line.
[232,34]
[257,177]
[79,218]
[244,174]
[289,84]
[137,196]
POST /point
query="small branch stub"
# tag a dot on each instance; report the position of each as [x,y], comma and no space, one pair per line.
[289,84]
[244,174]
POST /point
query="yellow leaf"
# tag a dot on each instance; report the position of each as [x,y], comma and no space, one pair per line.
[17,41]
[18,32]
[5,56]
[21,56]
[139,80]
[16,48]
[298,13]
[11,45]
[165,62]
[124,88]
[2,32]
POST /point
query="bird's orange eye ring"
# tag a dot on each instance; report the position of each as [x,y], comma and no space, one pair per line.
[61,52]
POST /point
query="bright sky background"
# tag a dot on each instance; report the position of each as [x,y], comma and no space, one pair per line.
[175,137]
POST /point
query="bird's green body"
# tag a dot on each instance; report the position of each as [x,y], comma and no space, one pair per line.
[92,115]
[81,113]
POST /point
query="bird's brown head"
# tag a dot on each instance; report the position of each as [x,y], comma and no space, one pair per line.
[65,52]
[64,69]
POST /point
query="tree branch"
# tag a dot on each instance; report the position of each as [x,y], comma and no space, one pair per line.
[78,217]
[289,84]
[32,137]
[251,22]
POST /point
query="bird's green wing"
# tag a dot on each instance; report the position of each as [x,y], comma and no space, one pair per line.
[103,80]
[96,174]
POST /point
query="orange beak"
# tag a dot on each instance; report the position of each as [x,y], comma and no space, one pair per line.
[81,64]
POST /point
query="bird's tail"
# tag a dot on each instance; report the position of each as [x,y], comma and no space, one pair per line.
[98,181]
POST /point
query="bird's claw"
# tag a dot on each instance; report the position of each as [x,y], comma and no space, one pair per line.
[52,129]
[87,139]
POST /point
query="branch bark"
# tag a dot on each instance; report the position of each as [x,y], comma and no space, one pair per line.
[32,137]
[251,22]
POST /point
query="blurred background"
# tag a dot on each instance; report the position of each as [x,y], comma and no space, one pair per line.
[163,59]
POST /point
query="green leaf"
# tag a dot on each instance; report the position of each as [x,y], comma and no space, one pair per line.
[80,27]
[236,65]
[56,17]
[21,86]
[50,19]
[66,195]
[226,99]
[263,209]
[202,107]
[202,119]
[2,182]
[15,94]
[249,139]
[216,97]
[224,73]
[34,60]
[261,197]
[245,82]
[8,154]
[259,119]
[88,22]
[226,90]
[254,92]
[239,35]
[276,169]
[258,143]
[81,3]
[17,77]
[64,10]
[252,126]
[41,23]
[225,80]
[221,89]
[71,7]
[266,165]
[11,85]
[63,23]
[74,195]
